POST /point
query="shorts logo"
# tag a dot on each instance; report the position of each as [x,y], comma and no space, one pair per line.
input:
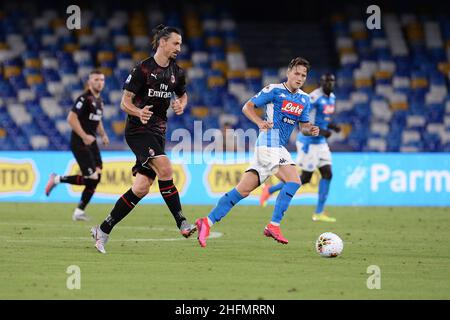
[292,108]
[151,152]
[282,160]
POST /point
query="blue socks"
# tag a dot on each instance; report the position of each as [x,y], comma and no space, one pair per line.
[276,187]
[224,205]
[324,186]
[284,198]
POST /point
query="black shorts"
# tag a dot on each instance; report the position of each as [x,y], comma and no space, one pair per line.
[88,157]
[145,146]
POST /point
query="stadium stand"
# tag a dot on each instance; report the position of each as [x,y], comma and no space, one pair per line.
[392,84]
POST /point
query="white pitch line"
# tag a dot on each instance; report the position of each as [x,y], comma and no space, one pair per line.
[82,225]
[6,239]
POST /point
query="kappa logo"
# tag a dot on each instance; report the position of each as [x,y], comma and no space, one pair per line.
[293,108]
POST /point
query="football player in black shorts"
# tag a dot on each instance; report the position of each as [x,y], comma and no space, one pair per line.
[85,119]
[153,86]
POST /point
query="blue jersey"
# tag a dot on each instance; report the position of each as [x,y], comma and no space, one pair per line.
[324,107]
[285,109]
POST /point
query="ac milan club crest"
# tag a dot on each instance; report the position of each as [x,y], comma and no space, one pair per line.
[151,152]
[172,78]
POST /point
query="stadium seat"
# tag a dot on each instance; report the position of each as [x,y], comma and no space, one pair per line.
[393,80]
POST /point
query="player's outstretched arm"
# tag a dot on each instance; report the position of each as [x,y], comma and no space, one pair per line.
[249,110]
[75,124]
[127,105]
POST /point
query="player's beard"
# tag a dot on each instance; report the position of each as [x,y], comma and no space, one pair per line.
[174,55]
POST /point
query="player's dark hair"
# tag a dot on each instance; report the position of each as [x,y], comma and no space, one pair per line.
[299,61]
[95,71]
[162,32]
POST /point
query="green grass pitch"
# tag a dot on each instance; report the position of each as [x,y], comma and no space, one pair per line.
[148,259]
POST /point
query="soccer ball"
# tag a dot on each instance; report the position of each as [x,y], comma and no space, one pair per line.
[329,245]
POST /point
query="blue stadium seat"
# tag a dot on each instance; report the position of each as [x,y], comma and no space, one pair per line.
[214,86]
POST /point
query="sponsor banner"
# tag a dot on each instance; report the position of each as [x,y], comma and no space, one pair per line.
[420,179]
[116,178]
[221,178]
[379,179]
[18,176]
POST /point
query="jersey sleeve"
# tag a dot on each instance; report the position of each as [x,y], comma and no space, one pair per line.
[263,97]
[180,89]
[80,105]
[304,117]
[135,80]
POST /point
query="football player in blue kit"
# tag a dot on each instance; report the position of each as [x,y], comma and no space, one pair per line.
[285,106]
[313,152]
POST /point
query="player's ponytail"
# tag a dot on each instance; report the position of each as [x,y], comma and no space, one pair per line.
[162,32]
